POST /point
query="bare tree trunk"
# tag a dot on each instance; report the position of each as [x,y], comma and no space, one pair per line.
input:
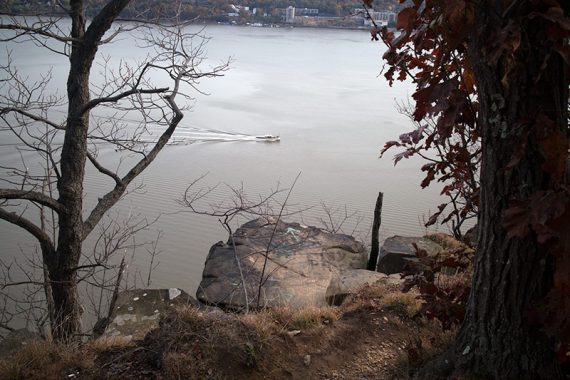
[70,187]
[132,90]
[519,100]
[63,277]
[375,249]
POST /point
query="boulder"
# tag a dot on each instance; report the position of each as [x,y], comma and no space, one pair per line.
[137,311]
[398,251]
[470,237]
[351,281]
[301,261]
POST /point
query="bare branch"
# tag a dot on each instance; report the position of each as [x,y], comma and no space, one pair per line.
[42,30]
[4,286]
[109,199]
[31,196]
[45,241]
[103,170]
[5,327]
[266,256]
[32,116]
[113,99]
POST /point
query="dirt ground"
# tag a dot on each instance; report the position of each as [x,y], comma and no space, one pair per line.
[371,337]
[366,344]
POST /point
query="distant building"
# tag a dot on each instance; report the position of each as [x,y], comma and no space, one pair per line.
[387,17]
[290,14]
[306,12]
[380,18]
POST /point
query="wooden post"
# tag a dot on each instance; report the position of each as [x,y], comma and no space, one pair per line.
[375,249]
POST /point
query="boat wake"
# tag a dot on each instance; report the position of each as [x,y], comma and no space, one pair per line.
[193,134]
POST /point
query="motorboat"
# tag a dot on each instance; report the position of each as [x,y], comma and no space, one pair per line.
[267,138]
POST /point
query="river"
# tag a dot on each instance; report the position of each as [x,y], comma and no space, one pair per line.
[320,90]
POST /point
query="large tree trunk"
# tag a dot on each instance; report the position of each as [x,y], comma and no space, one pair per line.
[66,322]
[512,275]
[67,316]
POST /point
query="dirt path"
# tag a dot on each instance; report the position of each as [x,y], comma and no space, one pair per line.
[366,344]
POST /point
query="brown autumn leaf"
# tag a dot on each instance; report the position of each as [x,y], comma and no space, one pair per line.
[468,80]
[407,19]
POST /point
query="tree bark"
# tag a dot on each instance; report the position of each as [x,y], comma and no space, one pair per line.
[66,324]
[67,317]
[518,95]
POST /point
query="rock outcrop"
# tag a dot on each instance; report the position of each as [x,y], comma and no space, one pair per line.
[137,311]
[398,251]
[301,261]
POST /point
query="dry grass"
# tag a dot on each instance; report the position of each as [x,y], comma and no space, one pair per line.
[262,323]
[192,316]
[184,365]
[303,319]
[43,360]
[446,241]
[108,343]
[194,344]
[403,303]
[383,296]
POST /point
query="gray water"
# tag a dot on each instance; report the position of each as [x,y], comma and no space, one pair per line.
[320,90]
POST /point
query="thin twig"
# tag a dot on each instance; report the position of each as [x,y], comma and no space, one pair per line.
[266,256]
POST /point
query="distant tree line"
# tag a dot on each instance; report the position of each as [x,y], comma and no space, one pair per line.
[207,10]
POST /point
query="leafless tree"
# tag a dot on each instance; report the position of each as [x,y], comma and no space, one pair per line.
[59,135]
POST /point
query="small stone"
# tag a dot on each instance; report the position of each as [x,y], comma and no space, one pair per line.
[144,294]
[173,293]
[136,299]
[293,332]
[466,350]
[130,308]
[307,360]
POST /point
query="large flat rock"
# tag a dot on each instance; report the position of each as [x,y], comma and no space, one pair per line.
[16,340]
[137,311]
[301,261]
